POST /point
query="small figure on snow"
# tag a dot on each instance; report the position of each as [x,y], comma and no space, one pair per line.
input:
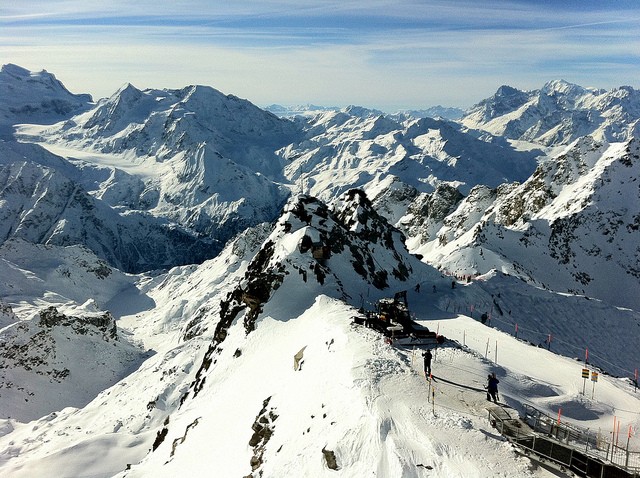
[492,387]
[417,289]
[427,363]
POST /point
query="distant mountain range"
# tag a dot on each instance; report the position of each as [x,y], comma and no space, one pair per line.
[558,113]
[443,112]
[188,169]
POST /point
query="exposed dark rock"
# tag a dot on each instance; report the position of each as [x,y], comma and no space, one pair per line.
[50,317]
[330,459]
[263,428]
[160,436]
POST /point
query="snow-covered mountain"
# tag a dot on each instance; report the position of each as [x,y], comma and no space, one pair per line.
[43,202]
[558,113]
[259,369]
[573,226]
[202,159]
[30,97]
[255,240]
[298,110]
[356,147]
[439,111]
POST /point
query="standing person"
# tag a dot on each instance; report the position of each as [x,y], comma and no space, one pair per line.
[492,387]
[427,363]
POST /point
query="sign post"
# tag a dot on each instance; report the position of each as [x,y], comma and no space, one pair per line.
[594,379]
[585,376]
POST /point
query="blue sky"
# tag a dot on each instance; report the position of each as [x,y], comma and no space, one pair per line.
[387,54]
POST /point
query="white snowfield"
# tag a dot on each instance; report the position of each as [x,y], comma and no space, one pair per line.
[351,394]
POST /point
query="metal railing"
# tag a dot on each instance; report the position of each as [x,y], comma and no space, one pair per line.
[581,450]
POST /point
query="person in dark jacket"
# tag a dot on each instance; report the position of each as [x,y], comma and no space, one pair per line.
[427,363]
[492,387]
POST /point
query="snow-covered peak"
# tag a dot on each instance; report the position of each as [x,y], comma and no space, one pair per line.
[163,123]
[35,97]
[439,111]
[343,248]
[558,113]
[15,71]
[562,87]
[361,111]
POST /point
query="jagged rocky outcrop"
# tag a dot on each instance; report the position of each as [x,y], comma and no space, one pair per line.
[105,323]
[570,227]
[427,213]
[77,356]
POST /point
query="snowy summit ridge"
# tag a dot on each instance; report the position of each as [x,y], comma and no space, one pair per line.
[558,113]
[29,97]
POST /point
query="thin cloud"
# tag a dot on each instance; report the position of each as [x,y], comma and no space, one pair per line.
[381,53]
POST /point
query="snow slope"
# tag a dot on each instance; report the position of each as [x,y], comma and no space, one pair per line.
[225,394]
[571,227]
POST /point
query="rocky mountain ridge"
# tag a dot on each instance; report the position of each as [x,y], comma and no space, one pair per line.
[563,228]
[558,113]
